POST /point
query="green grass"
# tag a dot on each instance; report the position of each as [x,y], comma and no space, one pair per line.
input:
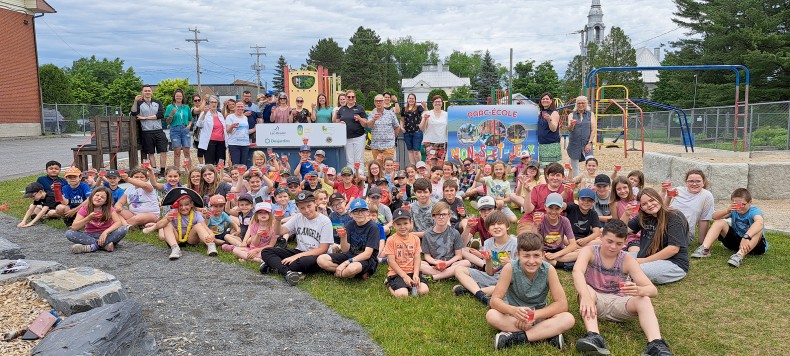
[715,310]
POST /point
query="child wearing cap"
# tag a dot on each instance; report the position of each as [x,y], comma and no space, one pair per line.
[305,164]
[282,201]
[422,170]
[75,195]
[400,191]
[52,176]
[141,198]
[485,206]
[421,209]
[403,258]
[43,204]
[359,245]
[311,183]
[294,185]
[219,222]
[583,218]
[111,180]
[559,242]
[318,162]
[442,245]
[328,180]
[259,236]
[346,185]
[243,213]
[534,199]
[339,216]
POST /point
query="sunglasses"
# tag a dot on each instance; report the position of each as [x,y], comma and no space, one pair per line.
[195,100]
[351,97]
[300,101]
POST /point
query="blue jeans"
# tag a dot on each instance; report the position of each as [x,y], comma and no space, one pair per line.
[239,154]
[90,238]
[413,140]
[180,136]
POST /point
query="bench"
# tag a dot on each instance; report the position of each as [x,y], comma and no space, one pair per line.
[109,139]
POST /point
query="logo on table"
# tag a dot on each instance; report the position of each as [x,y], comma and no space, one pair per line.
[299,130]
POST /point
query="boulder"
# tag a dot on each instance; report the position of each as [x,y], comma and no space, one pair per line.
[657,167]
[768,180]
[77,290]
[35,267]
[9,250]
[726,177]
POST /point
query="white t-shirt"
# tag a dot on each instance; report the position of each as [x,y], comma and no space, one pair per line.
[695,207]
[310,233]
[141,201]
[436,132]
[241,135]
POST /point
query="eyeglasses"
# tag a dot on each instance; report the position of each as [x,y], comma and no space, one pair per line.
[442,215]
[300,101]
[378,101]
[693,181]
[213,102]
[293,185]
[196,100]
[350,96]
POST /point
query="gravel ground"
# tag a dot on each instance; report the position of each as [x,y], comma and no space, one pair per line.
[198,305]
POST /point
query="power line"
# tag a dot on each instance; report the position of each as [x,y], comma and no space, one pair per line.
[197,54]
[257,66]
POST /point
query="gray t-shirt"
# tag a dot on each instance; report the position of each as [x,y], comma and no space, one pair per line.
[310,233]
[149,109]
[441,245]
[602,206]
[423,220]
[508,249]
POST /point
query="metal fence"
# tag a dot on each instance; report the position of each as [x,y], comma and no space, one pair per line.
[73,118]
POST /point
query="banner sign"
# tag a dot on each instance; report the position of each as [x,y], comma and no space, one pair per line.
[293,135]
[496,130]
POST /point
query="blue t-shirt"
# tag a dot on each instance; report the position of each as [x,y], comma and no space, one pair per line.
[116,194]
[77,195]
[47,182]
[219,224]
[306,167]
[338,220]
[741,223]
[360,237]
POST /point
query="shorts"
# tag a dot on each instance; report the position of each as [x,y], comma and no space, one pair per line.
[549,152]
[180,136]
[413,140]
[613,307]
[369,266]
[396,282]
[733,243]
[154,141]
[221,236]
[483,279]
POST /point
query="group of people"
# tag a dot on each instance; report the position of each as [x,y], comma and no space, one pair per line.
[618,237]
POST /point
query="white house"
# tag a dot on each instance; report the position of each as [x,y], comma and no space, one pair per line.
[648,58]
[518,99]
[432,77]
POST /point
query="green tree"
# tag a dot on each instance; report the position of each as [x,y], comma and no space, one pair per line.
[99,82]
[411,56]
[390,76]
[464,65]
[487,78]
[369,103]
[326,53]
[122,90]
[55,86]
[362,64]
[462,94]
[532,81]
[278,81]
[165,89]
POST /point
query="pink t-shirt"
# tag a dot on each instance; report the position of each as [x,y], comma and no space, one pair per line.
[538,197]
[264,241]
[95,224]
[218,131]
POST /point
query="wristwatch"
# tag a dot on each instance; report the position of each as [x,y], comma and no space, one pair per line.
[350,260]
[747,237]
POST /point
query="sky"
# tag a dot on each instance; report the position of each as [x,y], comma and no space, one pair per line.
[150,35]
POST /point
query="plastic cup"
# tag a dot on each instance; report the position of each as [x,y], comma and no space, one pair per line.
[279,213]
[305,140]
[666,185]
[186,162]
[253,144]
[633,208]
[231,196]
[325,169]
[442,265]
[623,284]
[172,214]
[121,171]
[285,159]
[672,192]
[242,169]
[356,165]
[221,164]
[90,173]
[403,191]
[263,233]
[406,207]
[397,166]
[341,231]
[97,214]
[146,164]
[461,210]
[103,173]
[530,316]
[567,166]
[618,168]
[736,206]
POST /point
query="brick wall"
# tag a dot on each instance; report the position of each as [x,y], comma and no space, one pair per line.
[19,94]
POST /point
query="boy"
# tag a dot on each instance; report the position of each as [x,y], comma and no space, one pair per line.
[339,216]
[43,204]
[47,181]
[559,242]
[380,213]
[602,192]
[745,235]
[111,180]
[245,208]
[457,207]
[403,256]
[583,218]
[518,303]
[359,245]
[305,165]
[346,185]
[313,235]
[75,195]
[497,252]
[400,183]
[436,183]
[485,206]
[311,183]
[421,209]
[328,181]
[294,186]
[442,246]
[601,277]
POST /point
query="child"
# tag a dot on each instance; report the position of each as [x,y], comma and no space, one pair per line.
[183,224]
[103,226]
[411,174]
[521,168]
[172,179]
[588,178]
[141,198]
[359,244]
[282,202]
[386,197]
[421,209]
[225,230]
[624,206]
[43,204]
[75,195]
[400,191]
[375,173]
[389,169]
[457,207]
[518,302]
[421,170]
[259,236]
[328,181]
[745,234]
[346,186]
[313,236]
[485,206]
[436,183]
[305,164]
[403,258]
[442,245]
[467,177]
[311,182]
[559,242]
[583,218]
[448,171]
[497,252]
[612,286]
[322,202]
[48,180]
[498,187]
[602,193]
[194,179]
[339,217]
[111,179]
[637,179]
[318,163]
[478,188]
[254,185]
[534,200]
[245,212]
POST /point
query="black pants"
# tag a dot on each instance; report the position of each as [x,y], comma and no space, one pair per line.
[274,259]
[214,152]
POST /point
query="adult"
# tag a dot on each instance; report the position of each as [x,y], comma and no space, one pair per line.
[434,128]
[663,246]
[341,102]
[212,132]
[533,200]
[391,103]
[384,128]
[179,118]
[410,122]
[695,202]
[321,110]
[355,118]
[150,112]
[228,107]
[301,114]
[198,105]
[237,135]
[281,114]
[269,104]
[548,131]
[582,126]
[253,115]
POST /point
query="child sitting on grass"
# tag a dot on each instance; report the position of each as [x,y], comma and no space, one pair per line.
[359,244]
[442,245]
[583,218]
[103,226]
[403,258]
[259,235]
[559,242]
[183,224]
[43,204]
[75,194]
[52,176]
[226,231]
[518,303]
[475,227]
[421,209]
[141,198]
[612,286]
[745,234]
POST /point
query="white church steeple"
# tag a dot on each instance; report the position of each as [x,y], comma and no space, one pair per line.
[594,31]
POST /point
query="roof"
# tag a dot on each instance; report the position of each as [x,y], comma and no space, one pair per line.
[647,58]
[27,6]
[435,77]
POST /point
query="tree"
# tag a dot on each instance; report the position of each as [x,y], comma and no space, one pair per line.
[410,56]
[326,53]
[122,90]
[165,89]
[487,78]
[389,64]
[533,81]
[102,82]
[464,65]
[55,86]
[278,81]
[362,64]
[463,96]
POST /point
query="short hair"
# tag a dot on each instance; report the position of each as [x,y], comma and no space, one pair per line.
[436,168]
[616,227]
[53,163]
[438,207]
[246,92]
[554,168]
[145,86]
[437,97]
[387,93]
[450,183]
[422,184]
[528,242]
[321,191]
[134,171]
[497,217]
[742,193]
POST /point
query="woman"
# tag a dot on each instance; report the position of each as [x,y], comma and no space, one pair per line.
[434,128]
[410,121]
[180,120]
[548,131]
[198,105]
[341,102]
[695,202]
[582,126]
[212,133]
[322,112]
[228,107]
[663,247]
[300,114]
[238,135]
[281,114]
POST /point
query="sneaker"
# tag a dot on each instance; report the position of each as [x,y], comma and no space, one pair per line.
[227,247]
[735,260]
[701,252]
[281,242]
[486,300]
[264,268]
[211,249]
[175,253]
[504,339]
[592,344]
[459,290]
[80,248]
[110,247]
[293,277]
[475,243]
[557,341]
[657,347]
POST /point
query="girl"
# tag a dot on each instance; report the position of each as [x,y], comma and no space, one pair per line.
[172,180]
[434,127]
[212,132]
[210,185]
[260,235]
[389,169]
[183,224]
[623,204]
[637,179]
[695,202]
[194,179]
[270,168]
[103,226]
[411,174]
[375,173]
[448,171]
[141,198]
[322,201]
[587,179]
[322,112]
[410,121]
[498,188]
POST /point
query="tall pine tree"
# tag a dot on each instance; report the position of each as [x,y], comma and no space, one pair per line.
[326,53]
[487,78]
[278,81]
[362,65]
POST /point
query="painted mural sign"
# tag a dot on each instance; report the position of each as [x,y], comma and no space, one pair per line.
[503,131]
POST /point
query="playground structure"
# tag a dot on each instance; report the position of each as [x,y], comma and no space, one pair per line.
[308,84]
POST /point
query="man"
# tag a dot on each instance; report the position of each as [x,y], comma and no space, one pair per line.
[150,114]
[391,103]
[382,126]
[254,117]
[354,117]
[271,102]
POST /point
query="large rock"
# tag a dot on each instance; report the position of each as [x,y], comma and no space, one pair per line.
[726,177]
[657,167]
[77,290]
[769,180]
[115,329]
[9,250]
[35,267]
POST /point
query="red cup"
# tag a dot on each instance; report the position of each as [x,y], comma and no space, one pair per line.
[173,213]
[530,316]
[121,171]
[242,169]
[146,164]
[567,166]
[666,185]
[356,165]
[461,210]
[103,173]
[231,196]
[397,166]
[673,192]
[221,164]
[264,169]
[736,206]
[473,221]
[341,231]
[285,159]
[570,185]
[263,233]
[305,140]
[406,207]
[442,266]
[90,173]
[218,169]
[633,208]
[253,144]
[325,169]
[403,191]
[57,188]
[617,168]
[97,214]
[279,213]
[186,162]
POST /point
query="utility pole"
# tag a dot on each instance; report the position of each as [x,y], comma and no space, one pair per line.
[257,66]
[510,80]
[197,55]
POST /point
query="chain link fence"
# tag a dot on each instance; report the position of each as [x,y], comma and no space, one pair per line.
[73,118]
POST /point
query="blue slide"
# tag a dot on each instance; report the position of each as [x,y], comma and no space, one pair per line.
[685,129]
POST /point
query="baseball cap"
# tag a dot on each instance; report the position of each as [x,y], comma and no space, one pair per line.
[312,174]
[554,199]
[269,92]
[72,171]
[32,189]
[373,192]
[331,171]
[216,200]
[304,148]
[112,173]
[320,152]
[587,193]
[400,174]
[602,179]
[525,154]
[280,189]
[336,196]
[401,214]
[245,197]
[486,202]
[533,163]
[304,197]
[292,179]
[382,182]
[421,164]
[265,206]
[285,172]
[346,171]
[358,204]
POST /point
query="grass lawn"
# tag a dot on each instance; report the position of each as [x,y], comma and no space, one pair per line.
[715,310]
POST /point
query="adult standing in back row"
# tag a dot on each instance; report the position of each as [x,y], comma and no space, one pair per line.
[548,131]
[354,117]
[582,126]
[434,128]
[384,128]
[149,112]
[179,118]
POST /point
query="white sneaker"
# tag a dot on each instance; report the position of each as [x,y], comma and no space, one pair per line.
[211,249]
[175,252]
